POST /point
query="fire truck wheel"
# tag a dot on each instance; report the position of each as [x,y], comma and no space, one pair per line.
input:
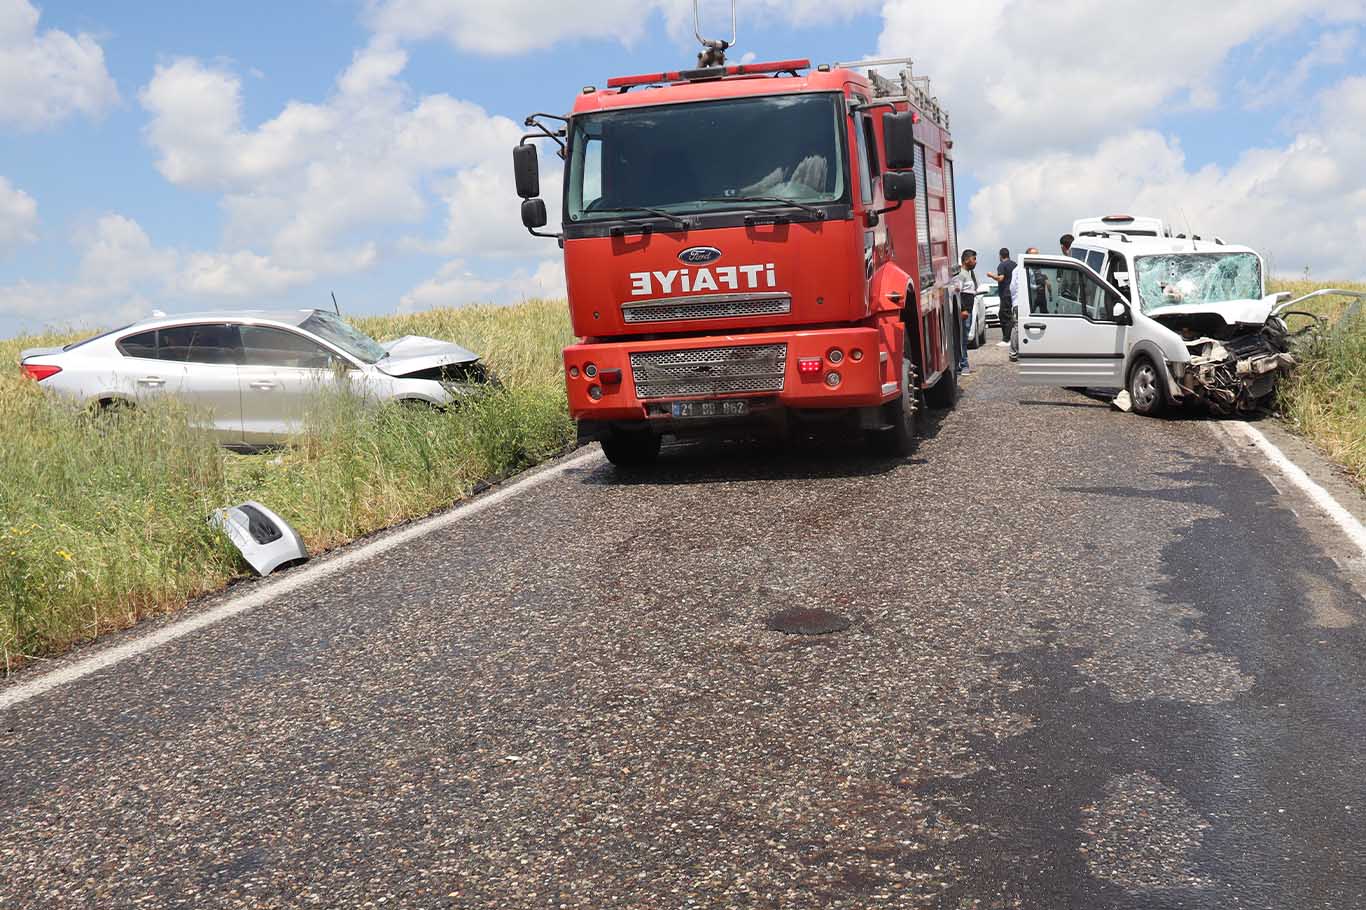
[1145,388]
[903,415]
[944,395]
[630,448]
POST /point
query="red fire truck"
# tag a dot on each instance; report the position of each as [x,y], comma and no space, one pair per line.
[755,242]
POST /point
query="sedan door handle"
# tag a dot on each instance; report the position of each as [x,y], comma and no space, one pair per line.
[263,385]
[155,382]
[1039,326]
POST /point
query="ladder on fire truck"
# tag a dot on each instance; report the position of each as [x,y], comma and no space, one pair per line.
[903,86]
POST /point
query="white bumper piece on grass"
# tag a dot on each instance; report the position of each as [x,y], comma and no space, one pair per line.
[265,540]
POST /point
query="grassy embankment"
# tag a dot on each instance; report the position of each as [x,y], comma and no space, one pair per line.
[103,522]
[1326,400]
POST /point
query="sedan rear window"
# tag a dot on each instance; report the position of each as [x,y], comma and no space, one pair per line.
[143,344]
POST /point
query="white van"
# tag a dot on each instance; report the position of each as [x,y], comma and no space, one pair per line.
[1169,321]
[1127,225]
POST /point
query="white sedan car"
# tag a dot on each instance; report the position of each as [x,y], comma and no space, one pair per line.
[254,374]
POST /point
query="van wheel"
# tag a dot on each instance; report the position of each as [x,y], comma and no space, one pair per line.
[631,448]
[1145,388]
[944,395]
[902,416]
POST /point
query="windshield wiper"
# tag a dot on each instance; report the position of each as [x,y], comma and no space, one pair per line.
[772,200]
[658,213]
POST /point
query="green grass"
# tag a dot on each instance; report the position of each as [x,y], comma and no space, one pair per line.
[1326,399]
[102,522]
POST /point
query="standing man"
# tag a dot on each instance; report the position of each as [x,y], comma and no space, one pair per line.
[1024,291]
[1003,291]
[966,285]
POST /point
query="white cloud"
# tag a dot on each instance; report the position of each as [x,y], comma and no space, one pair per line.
[1332,48]
[316,183]
[240,274]
[18,218]
[118,265]
[1300,204]
[1037,75]
[517,26]
[47,76]
[456,285]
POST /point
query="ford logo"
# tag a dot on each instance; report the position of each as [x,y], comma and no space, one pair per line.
[699,255]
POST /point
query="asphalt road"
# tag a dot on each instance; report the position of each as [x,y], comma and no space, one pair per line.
[1093,661]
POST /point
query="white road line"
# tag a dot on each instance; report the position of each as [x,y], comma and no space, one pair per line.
[293,581]
[1295,474]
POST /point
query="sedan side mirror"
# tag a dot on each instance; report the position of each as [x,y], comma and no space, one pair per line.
[898,187]
[526,167]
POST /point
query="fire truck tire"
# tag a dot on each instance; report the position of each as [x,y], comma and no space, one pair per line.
[903,416]
[944,395]
[631,448]
[1145,388]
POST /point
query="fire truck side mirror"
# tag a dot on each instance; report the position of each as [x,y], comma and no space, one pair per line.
[533,213]
[898,132]
[527,169]
[898,187]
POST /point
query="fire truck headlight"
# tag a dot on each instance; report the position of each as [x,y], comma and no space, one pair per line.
[832,379]
[595,392]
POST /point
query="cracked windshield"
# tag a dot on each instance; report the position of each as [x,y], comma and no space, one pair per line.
[682,158]
[1196,278]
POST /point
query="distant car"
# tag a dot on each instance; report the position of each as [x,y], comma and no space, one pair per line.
[254,373]
[990,297]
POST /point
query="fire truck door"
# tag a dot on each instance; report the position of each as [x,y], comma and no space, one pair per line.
[1070,334]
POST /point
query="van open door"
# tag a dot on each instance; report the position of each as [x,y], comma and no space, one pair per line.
[1072,325]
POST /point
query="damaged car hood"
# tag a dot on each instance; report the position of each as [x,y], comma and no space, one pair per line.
[415,353]
[1233,312]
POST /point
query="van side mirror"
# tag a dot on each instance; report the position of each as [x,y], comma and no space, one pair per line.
[1121,279]
[526,167]
[898,135]
[533,213]
[1121,314]
[898,187]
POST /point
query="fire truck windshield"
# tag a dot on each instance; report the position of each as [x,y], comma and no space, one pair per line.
[707,156]
[1174,279]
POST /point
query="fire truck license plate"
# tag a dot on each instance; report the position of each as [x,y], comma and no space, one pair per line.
[730,408]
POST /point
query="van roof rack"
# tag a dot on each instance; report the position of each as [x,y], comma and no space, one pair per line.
[904,86]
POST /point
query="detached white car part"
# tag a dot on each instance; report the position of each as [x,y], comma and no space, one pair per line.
[264,539]
[1178,321]
[253,375]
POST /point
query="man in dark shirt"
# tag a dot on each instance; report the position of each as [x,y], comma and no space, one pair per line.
[1007,308]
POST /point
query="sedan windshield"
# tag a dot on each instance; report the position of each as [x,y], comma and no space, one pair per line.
[707,156]
[1174,279]
[351,340]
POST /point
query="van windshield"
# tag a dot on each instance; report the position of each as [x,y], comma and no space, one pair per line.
[707,156]
[1176,279]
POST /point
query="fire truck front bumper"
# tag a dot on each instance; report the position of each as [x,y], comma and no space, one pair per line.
[723,377]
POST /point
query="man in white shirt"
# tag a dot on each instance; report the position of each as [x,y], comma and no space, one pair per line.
[966,286]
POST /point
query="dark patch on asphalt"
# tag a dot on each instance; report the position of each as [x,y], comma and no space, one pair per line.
[807,621]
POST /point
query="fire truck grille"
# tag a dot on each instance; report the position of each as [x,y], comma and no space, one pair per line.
[719,306]
[710,371]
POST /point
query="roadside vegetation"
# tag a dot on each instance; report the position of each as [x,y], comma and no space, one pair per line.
[103,521]
[1326,399]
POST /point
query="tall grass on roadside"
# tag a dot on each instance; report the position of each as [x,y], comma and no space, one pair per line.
[103,521]
[1326,398]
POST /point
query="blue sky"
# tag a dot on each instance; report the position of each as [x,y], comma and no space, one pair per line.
[143,189]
